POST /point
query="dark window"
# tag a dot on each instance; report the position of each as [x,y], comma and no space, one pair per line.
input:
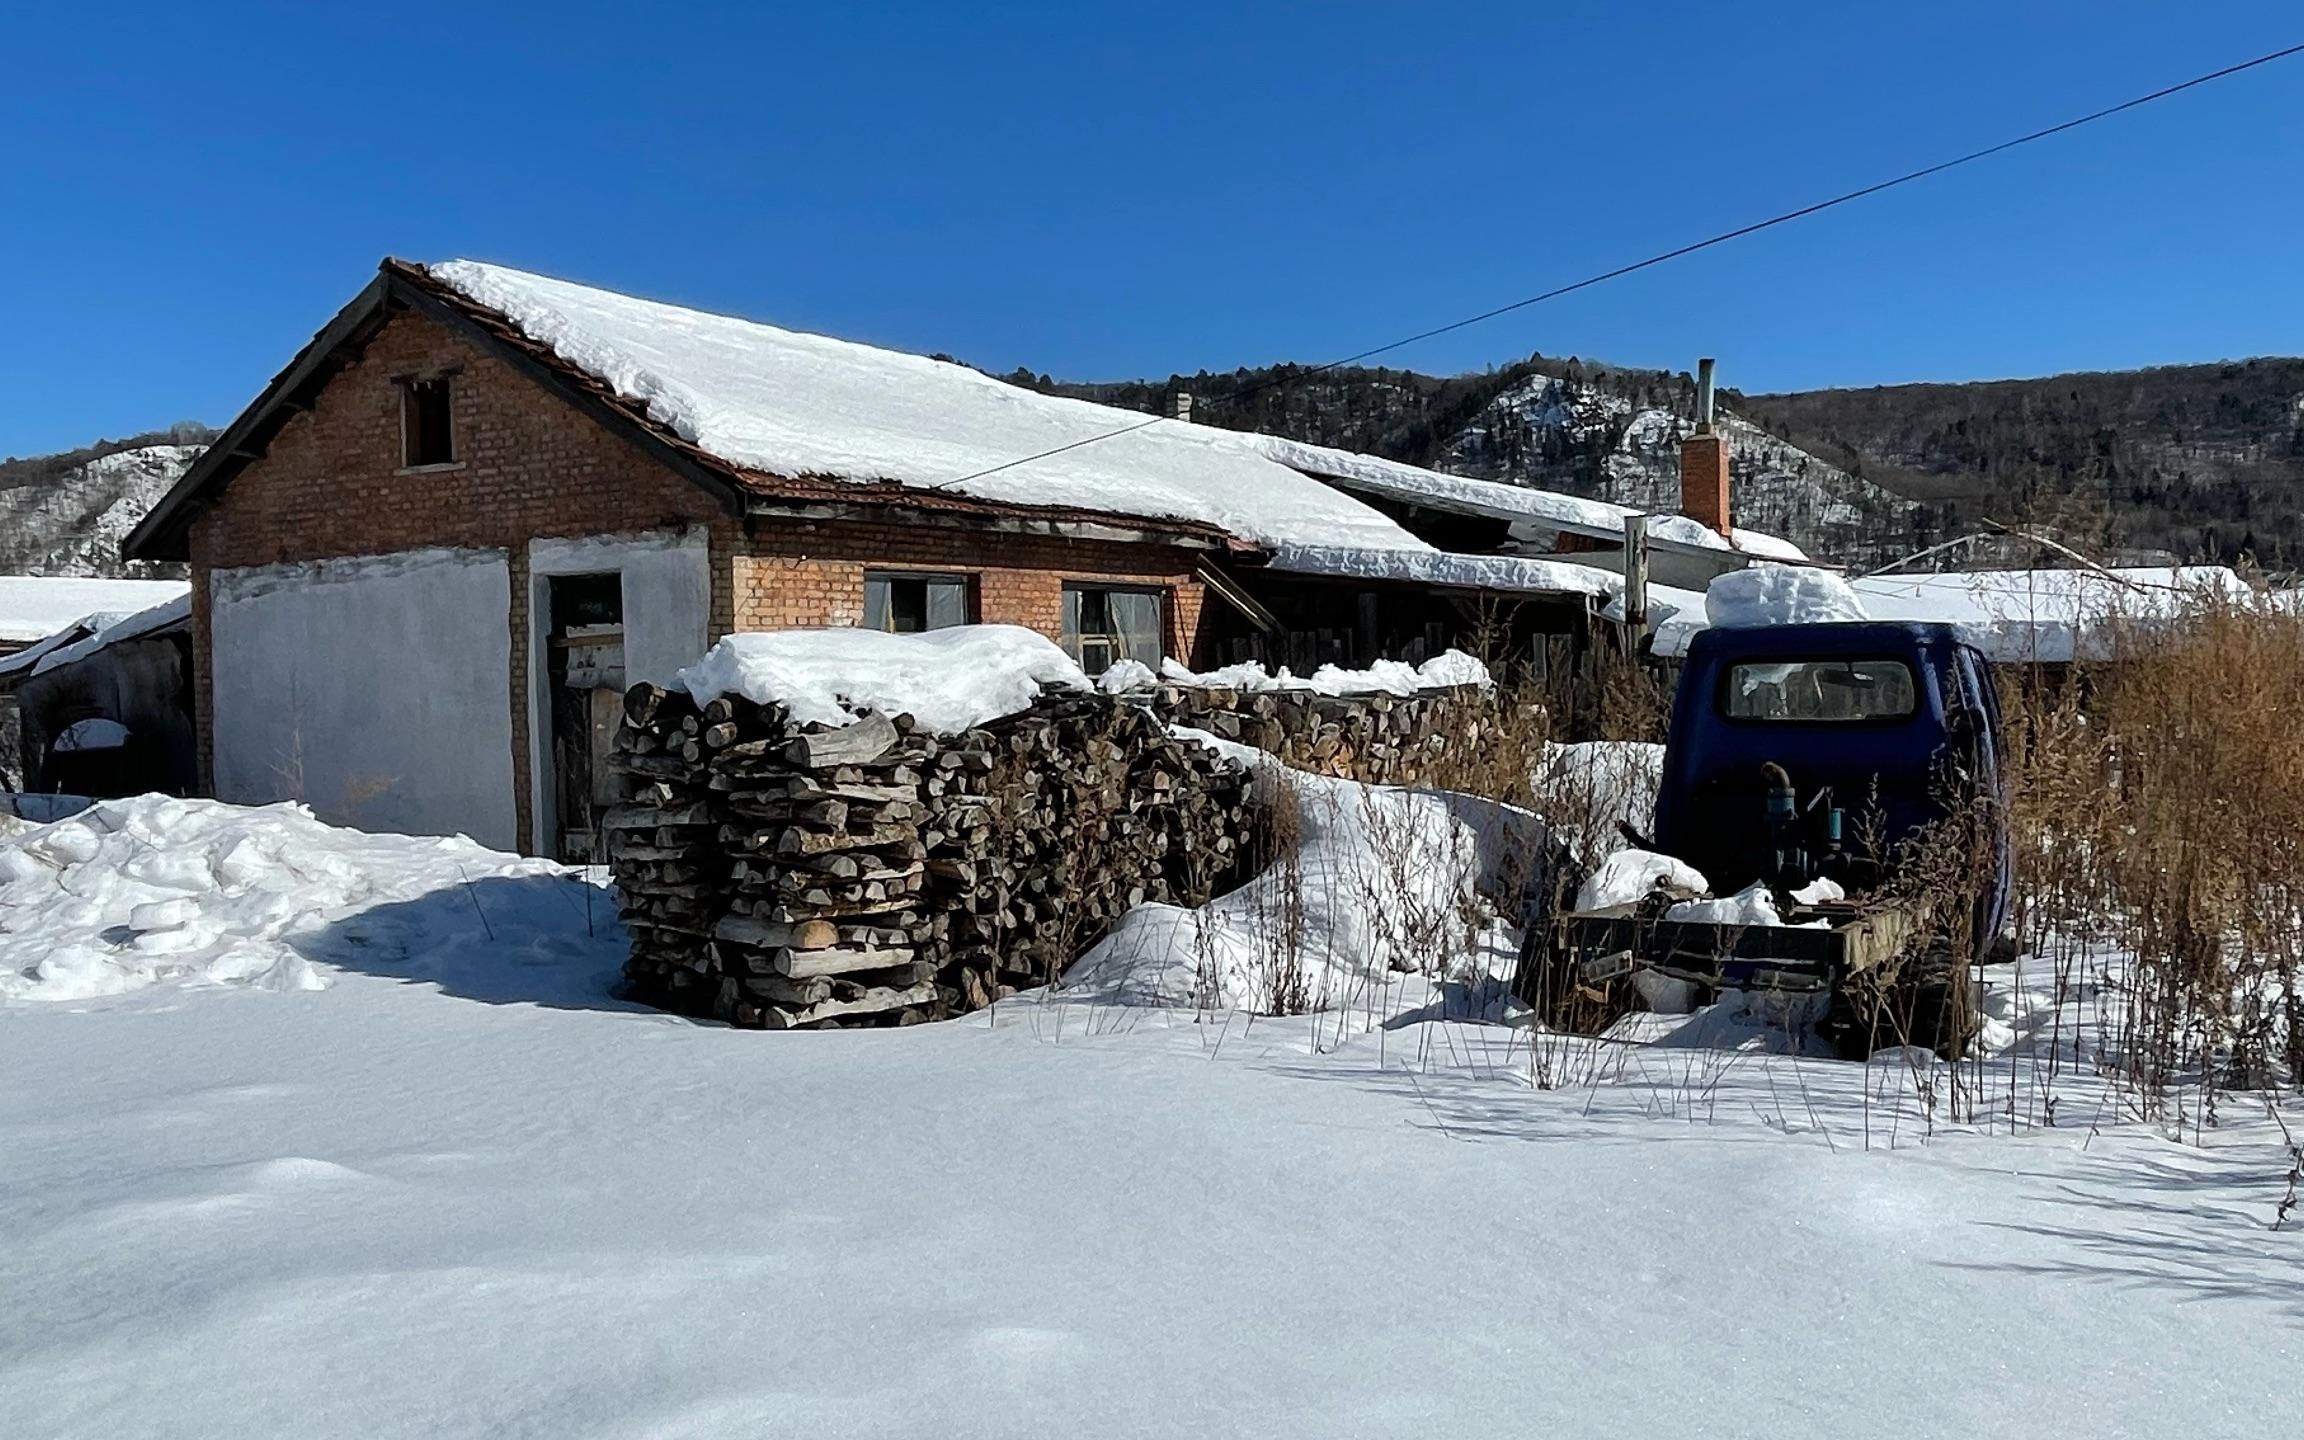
[908,604]
[427,436]
[1829,690]
[1104,623]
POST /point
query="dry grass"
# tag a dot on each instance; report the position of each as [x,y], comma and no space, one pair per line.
[2156,805]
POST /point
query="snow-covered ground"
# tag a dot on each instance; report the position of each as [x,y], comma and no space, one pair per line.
[462,1190]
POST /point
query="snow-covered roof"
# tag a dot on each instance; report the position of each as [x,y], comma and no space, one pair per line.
[34,607]
[786,404]
[92,633]
[2016,616]
[1523,573]
[1496,500]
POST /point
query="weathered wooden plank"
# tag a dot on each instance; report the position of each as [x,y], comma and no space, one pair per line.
[867,740]
[800,964]
[644,817]
[767,935]
[871,1002]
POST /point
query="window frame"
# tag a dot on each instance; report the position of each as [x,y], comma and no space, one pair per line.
[1163,599]
[1913,678]
[965,580]
[409,430]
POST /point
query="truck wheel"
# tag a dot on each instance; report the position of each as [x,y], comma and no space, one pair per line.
[1945,1014]
[1934,1005]
[1564,1002]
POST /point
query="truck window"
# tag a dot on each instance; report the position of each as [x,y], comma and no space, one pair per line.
[1820,690]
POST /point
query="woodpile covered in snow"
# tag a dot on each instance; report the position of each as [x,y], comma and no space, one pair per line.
[779,872]
[1380,739]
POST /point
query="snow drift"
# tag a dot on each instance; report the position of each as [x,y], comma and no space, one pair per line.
[1591,789]
[131,893]
[1381,879]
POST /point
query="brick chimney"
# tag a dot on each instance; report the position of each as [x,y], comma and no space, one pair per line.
[1704,461]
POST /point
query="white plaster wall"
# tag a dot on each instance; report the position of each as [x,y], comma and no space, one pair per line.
[667,589]
[375,690]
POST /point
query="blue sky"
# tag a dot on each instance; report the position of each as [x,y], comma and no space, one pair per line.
[1102,191]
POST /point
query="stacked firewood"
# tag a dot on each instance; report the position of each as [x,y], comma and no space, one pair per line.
[1377,738]
[1051,824]
[663,843]
[878,873]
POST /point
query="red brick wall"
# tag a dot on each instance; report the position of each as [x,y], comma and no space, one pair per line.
[791,573]
[527,464]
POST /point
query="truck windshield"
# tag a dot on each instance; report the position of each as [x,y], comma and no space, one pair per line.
[1828,690]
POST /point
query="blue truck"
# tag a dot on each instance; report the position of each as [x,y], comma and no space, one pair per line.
[1863,753]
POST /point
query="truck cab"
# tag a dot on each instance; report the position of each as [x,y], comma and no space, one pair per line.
[1879,728]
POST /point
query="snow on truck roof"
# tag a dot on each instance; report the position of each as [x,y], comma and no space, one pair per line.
[809,406]
[34,607]
[2012,616]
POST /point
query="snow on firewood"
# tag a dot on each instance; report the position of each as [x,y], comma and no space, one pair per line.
[948,680]
[1448,670]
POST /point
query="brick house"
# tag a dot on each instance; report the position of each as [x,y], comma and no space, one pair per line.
[478,503]
[429,556]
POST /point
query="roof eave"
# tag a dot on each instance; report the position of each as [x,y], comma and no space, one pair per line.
[163,532]
[877,502]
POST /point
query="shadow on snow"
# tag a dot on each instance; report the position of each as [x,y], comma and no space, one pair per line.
[548,940]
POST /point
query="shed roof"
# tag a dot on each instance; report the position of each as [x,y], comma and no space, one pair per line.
[2019,616]
[1497,500]
[34,607]
[92,633]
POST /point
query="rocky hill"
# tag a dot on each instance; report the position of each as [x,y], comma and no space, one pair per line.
[66,514]
[1597,431]
[2199,463]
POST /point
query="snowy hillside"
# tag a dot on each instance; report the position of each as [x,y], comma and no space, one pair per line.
[73,523]
[1600,442]
[1588,431]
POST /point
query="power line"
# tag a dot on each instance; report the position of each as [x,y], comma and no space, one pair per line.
[1658,259]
